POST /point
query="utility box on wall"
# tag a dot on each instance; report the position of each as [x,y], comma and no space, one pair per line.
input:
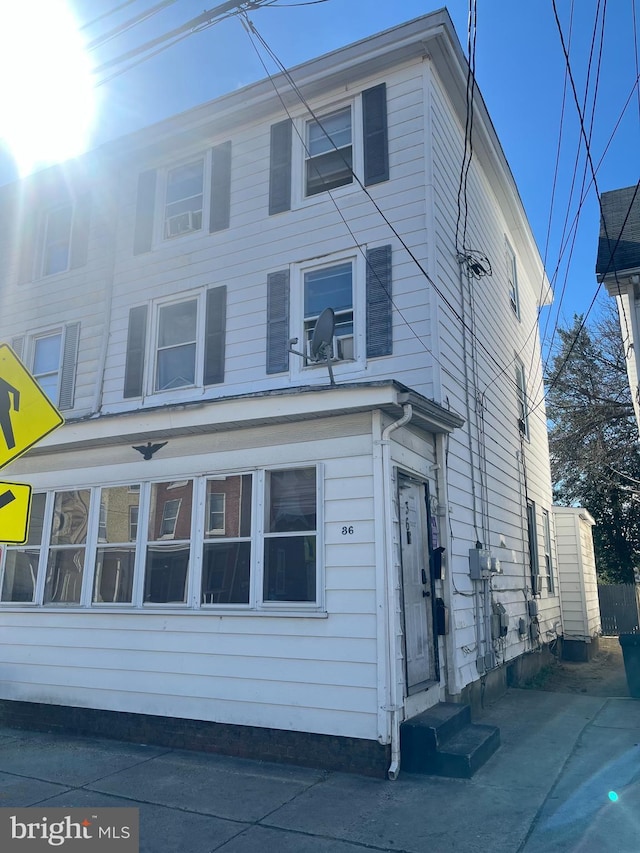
[577,579]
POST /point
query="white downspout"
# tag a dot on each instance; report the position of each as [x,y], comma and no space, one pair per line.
[385,443]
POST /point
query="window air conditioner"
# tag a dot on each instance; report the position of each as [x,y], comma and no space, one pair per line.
[182,223]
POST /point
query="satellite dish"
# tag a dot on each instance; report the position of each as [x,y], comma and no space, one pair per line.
[322,338]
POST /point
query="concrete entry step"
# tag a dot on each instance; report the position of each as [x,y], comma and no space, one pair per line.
[444,742]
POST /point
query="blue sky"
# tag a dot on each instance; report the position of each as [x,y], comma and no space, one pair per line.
[520,70]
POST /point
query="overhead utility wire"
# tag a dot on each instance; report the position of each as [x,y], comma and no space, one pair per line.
[389,224]
[595,182]
[593,301]
[106,14]
[231,6]
[128,25]
[581,193]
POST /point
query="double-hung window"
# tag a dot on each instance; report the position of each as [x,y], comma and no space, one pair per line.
[522,399]
[548,559]
[226,555]
[67,547]
[168,542]
[47,363]
[115,554]
[21,563]
[185,346]
[329,152]
[56,248]
[184,199]
[290,563]
[177,334]
[331,287]
[512,279]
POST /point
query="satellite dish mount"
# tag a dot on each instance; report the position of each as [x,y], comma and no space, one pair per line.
[321,344]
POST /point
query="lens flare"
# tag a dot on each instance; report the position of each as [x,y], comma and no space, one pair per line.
[613,796]
[46,100]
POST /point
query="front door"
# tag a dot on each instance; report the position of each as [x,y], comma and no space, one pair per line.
[417,587]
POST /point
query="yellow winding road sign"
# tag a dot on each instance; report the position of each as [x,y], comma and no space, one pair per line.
[26,416]
[15,504]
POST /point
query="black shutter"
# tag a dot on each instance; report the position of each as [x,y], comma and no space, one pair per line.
[136,342]
[80,234]
[69,361]
[374,132]
[220,187]
[145,209]
[278,322]
[214,335]
[280,167]
[379,305]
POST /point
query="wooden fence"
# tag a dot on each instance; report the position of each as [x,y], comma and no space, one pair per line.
[619,608]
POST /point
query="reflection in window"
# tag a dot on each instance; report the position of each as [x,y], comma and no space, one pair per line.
[65,565]
[115,558]
[329,152]
[329,287]
[290,537]
[169,534]
[226,565]
[183,209]
[21,565]
[46,364]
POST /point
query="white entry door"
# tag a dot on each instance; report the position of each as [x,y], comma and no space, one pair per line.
[416,586]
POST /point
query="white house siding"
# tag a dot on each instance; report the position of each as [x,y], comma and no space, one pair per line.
[308,672]
[256,243]
[496,328]
[46,303]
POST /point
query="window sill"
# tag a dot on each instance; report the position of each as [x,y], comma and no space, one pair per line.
[170,610]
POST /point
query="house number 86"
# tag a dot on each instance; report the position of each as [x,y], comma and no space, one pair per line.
[347,530]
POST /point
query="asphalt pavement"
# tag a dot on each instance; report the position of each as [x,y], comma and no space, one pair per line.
[566,778]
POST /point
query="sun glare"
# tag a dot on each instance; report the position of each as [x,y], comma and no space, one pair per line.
[46,96]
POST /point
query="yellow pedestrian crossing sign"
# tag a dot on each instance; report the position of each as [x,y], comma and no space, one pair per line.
[15,504]
[26,413]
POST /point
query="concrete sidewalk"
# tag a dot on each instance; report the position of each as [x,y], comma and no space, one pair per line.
[547,789]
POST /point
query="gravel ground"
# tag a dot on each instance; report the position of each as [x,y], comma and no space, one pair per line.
[601,676]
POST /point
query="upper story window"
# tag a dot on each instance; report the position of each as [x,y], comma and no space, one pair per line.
[185,346]
[51,356]
[359,290]
[192,197]
[331,287]
[329,152]
[351,137]
[176,345]
[512,279]
[47,354]
[523,399]
[56,249]
[54,235]
[184,199]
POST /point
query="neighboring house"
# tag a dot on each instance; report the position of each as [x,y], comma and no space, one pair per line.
[618,268]
[302,563]
[578,582]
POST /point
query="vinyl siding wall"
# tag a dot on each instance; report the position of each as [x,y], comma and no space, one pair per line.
[308,672]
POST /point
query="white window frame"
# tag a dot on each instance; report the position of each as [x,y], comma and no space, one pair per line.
[151,361]
[160,218]
[197,536]
[342,367]
[512,278]
[299,157]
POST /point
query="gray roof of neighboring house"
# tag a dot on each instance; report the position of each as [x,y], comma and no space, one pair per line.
[620,211]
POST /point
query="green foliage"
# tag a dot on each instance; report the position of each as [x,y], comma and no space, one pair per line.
[593,439]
